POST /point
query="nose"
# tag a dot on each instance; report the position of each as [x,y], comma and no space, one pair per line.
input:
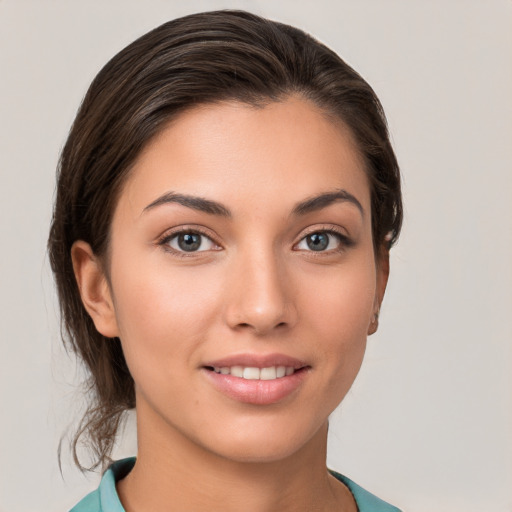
[259,295]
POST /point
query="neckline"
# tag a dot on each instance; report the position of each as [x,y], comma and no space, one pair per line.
[365,501]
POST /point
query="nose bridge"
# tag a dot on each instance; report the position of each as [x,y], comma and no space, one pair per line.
[259,294]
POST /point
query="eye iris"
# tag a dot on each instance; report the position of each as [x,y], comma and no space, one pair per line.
[317,241]
[189,241]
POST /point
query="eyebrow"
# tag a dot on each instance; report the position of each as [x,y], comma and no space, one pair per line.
[214,208]
[197,203]
[326,199]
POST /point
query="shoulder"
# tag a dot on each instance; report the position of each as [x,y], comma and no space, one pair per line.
[366,501]
[105,498]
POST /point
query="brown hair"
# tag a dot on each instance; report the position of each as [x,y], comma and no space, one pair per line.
[197,59]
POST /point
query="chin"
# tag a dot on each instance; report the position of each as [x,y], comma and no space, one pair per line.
[268,445]
[261,454]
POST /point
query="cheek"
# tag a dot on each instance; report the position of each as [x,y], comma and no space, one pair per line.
[340,307]
[342,300]
[158,310]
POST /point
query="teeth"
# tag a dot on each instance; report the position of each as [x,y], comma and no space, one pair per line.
[236,371]
[252,373]
[268,373]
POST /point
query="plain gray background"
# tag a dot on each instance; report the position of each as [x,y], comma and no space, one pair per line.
[428,422]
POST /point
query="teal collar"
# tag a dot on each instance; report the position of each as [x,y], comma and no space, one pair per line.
[106,499]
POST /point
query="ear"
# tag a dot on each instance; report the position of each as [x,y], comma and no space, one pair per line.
[382,274]
[94,289]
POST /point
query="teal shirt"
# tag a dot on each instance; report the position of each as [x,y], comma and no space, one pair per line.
[105,498]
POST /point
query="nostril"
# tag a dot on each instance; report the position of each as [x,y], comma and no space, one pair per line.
[259,327]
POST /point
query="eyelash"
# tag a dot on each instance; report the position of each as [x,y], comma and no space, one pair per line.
[167,237]
[344,241]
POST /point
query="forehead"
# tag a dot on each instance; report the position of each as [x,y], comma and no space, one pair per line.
[230,151]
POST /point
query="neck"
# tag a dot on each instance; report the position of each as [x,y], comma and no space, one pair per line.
[172,473]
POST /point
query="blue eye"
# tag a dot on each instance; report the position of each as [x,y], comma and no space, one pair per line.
[189,241]
[320,241]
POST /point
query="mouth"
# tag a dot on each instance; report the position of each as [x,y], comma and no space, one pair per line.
[258,380]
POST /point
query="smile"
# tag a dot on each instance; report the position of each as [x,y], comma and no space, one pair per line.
[257,379]
[254,373]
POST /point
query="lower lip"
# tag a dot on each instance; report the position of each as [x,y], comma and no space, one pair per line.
[258,392]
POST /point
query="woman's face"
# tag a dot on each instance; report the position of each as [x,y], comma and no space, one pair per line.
[242,241]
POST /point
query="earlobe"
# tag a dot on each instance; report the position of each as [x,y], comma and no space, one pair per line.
[94,289]
[374,324]
[382,281]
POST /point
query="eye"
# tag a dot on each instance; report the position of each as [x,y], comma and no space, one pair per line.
[322,241]
[189,241]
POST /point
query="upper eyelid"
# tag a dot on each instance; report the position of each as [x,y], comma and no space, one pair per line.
[325,228]
[172,232]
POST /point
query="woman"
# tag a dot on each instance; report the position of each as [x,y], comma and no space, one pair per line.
[226,203]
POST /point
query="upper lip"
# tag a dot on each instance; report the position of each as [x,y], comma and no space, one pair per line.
[256,361]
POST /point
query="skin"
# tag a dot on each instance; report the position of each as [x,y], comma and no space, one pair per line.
[257,287]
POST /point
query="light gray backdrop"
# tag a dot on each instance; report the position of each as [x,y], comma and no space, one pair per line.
[428,423]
